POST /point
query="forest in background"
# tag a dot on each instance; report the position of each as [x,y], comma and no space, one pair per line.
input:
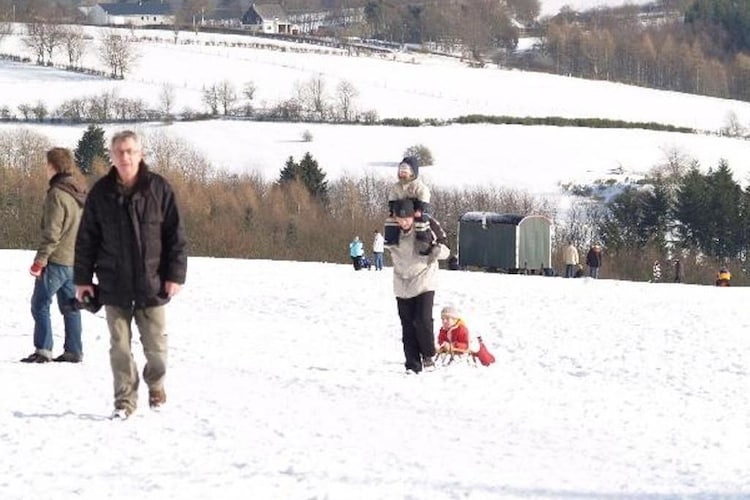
[694,46]
[677,212]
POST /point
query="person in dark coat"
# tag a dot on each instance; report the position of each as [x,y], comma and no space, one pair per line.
[131,236]
[677,271]
[594,260]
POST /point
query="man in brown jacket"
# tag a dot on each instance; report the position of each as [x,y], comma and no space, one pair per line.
[53,262]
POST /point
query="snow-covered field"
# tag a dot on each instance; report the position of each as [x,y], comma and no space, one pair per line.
[285,378]
[537,159]
[286,381]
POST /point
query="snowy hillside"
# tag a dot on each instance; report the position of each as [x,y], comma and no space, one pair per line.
[286,381]
[537,159]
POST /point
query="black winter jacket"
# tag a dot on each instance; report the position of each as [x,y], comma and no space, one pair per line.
[133,242]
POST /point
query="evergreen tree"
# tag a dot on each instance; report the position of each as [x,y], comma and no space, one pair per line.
[90,147]
[313,177]
[290,171]
[622,225]
[657,207]
[308,173]
[732,17]
[724,213]
[690,211]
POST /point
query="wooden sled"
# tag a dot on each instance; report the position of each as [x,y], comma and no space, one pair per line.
[452,354]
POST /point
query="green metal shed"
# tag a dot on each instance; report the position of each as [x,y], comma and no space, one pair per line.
[504,241]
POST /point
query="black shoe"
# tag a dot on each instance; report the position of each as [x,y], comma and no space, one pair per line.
[428,363]
[35,358]
[68,357]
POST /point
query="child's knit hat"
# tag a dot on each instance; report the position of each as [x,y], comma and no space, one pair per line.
[451,312]
[411,162]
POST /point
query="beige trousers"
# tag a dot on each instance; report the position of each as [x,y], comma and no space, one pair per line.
[150,322]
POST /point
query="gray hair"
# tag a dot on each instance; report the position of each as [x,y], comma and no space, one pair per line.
[123,135]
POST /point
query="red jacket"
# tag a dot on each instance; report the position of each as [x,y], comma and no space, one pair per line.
[457,335]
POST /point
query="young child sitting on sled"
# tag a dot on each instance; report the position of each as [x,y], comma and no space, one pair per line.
[453,336]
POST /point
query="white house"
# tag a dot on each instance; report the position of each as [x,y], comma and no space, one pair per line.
[268,18]
[139,13]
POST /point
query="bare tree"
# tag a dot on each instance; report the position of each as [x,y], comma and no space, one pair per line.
[227,95]
[101,107]
[73,42]
[40,112]
[311,95]
[25,110]
[117,53]
[248,92]
[211,98]
[345,95]
[166,100]
[43,39]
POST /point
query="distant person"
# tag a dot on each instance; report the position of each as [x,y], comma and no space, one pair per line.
[356,252]
[570,256]
[409,187]
[723,277]
[677,271]
[132,238]
[414,283]
[594,260]
[378,247]
[53,262]
[656,272]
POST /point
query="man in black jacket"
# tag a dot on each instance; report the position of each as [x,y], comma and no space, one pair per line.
[131,237]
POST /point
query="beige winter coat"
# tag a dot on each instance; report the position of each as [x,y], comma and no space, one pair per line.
[571,255]
[414,189]
[414,274]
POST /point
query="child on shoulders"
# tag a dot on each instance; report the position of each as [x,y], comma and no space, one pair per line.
[409,187]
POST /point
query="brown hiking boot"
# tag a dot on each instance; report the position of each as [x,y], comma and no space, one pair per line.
[156,398]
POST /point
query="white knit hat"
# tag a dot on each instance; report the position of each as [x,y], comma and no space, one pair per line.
[451,312]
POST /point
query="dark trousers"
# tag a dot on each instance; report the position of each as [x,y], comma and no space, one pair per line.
[392,231]
[417,329]
[357,263]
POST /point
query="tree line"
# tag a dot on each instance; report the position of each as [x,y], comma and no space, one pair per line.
[695,46]
[298,216]
[676,212]
[703,219]
[698,47]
